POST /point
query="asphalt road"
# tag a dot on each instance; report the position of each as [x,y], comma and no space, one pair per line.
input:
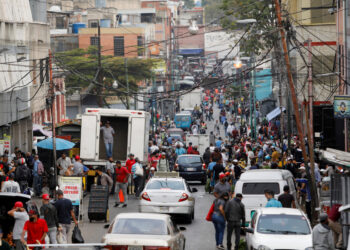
[199,234]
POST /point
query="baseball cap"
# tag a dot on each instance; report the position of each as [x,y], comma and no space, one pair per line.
[21,161]
[77,157]
[18,204]
[59,192]
[323,217]
[221,176]
[32,212]
[152,168]
[46,197]
[235,160]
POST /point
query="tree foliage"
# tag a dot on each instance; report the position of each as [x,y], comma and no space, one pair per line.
[82,65]
[262,34]
[212,11]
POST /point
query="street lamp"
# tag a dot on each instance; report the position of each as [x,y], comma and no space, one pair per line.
[246,21]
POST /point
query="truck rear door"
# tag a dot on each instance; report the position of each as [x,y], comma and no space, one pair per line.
[90,136]
[137,135]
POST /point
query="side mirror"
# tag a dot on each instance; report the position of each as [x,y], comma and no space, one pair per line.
[194,190]
[106,226]
[182,228]
[249,230]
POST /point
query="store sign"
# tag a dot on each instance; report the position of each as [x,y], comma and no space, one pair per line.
[72,188]
[341,107]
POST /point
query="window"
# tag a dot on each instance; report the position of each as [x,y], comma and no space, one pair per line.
[162,184]
[93,23]
[147,18]
[283,224]
[94,40]
[60,22]
[140,47]
[118,46]
[189,160]
[258,188]
[140,226]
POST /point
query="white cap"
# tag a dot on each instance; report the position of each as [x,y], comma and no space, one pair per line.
[152,168]
[235,160]
[302,168]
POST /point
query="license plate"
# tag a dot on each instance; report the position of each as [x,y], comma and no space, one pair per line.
[164,209]
[191,169]
[135,248]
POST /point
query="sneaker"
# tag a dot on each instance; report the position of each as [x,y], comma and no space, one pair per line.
[116,204]
[221,247]
[124,205]
[120,205]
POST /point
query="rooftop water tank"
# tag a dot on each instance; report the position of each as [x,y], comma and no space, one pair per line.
[77,26]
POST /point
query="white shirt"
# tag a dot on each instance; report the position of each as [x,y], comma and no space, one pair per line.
[250,156]
[154,148]
[11,187]
[64,163]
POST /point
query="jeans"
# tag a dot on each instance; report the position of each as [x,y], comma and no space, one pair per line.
[19,245]
[219,224]
[236,227]
[121,186]
[138,185]
[65,230]
[52,233]
[37,184]
[109,149]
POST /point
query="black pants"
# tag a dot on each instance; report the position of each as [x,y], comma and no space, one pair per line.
[308,209]
[233,226]
[138,185]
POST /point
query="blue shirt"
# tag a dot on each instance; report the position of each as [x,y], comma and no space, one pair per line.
[180,151]
[273,203]
[35,168]
[211,166]
[133,170]
[218,143]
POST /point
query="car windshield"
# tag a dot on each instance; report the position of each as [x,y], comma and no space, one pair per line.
[189,160]
[166,184]
[259,187]
[140,226]
[283,224]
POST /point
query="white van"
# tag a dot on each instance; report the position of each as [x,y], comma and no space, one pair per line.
[252,184]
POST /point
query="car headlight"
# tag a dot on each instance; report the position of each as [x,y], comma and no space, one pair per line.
[262,247]
[309,248]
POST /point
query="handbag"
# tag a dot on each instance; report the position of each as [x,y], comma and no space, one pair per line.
[61,239]
[210,212]
[76,236]
[139,170]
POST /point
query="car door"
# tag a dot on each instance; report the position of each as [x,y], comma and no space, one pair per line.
[249,236]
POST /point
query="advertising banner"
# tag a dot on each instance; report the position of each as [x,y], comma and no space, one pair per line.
[72,188]
[341,107]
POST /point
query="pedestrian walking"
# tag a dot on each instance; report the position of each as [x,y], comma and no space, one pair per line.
[108,136]
[137,174]
[163,164]
[78,167]
[235,216]
[271,201]
[104,179]
[35,228]
[222,186]
[218,219]
[23,174]
[322,238]
[128,164]
[49,213]
[111,173]
[334,224]
[38,171]
[11,186]
[65,213]
[286,199]
[20,215]
[122,176]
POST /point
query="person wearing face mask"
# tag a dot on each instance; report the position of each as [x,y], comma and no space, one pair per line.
[322,237]
[222,186]
[20,215]
[218,218]
[36,229]
[235,216]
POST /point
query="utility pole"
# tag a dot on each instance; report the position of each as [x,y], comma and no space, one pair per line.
[99,68]
[127,83]
[311,174]
[53,115]
[310,90]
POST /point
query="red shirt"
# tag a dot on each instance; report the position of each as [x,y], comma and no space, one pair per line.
[35,230]
[189,150]
[129,164]
[122,173]
[334,213]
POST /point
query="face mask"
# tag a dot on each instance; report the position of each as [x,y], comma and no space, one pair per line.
[31,219]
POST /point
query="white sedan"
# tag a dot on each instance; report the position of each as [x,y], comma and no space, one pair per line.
[142,231]
[168,196]
[279,228]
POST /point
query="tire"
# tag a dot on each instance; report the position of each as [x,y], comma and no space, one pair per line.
[192,215]
[188,218]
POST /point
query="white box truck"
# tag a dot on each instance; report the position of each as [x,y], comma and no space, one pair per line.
[131,135]
[189,100]
[202,141]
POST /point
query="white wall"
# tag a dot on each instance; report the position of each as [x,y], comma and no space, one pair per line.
[221,42]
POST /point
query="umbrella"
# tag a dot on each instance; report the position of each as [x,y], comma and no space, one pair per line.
[61,144]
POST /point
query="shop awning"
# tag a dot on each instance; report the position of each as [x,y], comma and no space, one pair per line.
[274,113]
[337,157]
[191,51]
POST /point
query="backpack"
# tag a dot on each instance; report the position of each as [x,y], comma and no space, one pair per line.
[40,168]
[22,173]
